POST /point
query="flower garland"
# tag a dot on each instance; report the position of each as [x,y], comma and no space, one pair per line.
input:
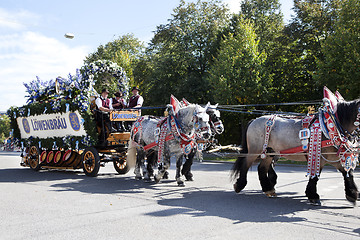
[62,95]
[101,66]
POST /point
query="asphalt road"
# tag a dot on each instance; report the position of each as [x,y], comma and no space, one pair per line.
[69,205]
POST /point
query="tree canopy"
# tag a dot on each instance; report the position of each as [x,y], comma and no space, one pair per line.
[205,53]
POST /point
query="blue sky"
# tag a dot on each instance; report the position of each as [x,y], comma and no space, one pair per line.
[32,41]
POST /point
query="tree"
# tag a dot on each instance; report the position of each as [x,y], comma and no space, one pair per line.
[268,24]
[125,51]
[267,19]
[339,69]
[236,75]
[4,127]
[182,50]
[312,25]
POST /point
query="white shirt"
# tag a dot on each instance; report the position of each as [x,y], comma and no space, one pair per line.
[98,103]
[140,101]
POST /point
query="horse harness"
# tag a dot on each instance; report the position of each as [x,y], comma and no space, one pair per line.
[311,134]
[162,134]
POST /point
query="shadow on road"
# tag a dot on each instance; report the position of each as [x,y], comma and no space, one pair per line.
[29,175]
[254,207]
[76,180]
[249,206]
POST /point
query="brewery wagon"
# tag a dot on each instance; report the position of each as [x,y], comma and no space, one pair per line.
[57,128]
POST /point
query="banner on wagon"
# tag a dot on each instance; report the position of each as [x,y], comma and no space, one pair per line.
[52,125]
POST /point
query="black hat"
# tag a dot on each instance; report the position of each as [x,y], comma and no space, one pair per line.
[135,88]
[118,94]
[105,90]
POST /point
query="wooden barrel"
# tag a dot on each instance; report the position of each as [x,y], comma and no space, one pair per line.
[69,157]
[77,160]
[43,157]
[66,155]
[57,157]
[50,157]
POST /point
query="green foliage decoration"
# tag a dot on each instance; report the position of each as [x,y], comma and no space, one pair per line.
[72,94]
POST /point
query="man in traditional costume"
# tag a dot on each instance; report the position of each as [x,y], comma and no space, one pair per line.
[104,107]
[136,101]
[118,103]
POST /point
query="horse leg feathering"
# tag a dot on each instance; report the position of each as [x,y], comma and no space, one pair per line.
[178,178]
[351,190]
[265,182]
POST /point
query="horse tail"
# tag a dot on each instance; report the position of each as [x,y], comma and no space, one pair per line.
[131,154]
[239,163]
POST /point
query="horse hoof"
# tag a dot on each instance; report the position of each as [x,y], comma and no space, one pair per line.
[138,177]
[190,179]
[351,199]
[147,179]
[166,175]
[271,194]
[180,182]
[237,190]
[314,202]
[157,178]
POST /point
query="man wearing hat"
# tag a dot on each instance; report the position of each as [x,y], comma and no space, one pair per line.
[103,103]
[136,101]
[118,102]
[104,106]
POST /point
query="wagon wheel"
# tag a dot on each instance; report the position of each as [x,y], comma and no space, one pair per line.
[34,158]
[121,165]
[90,161]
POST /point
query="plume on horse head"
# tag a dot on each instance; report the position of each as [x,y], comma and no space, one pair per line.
[176,105]
[332,99]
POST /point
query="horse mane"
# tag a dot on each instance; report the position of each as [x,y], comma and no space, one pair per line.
[347,112]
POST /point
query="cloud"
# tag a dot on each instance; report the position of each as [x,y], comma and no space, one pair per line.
[25,55]
[17,20]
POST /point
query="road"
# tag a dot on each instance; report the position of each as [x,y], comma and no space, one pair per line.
[69,205]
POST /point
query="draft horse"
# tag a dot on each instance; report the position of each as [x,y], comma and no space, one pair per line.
[169,138]
[216,127]
[331,136]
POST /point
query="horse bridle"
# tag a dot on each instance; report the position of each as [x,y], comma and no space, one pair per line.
[215,123]
[197,124]
[355,133]
[357,125]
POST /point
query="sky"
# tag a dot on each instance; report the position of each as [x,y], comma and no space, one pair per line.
[32,41]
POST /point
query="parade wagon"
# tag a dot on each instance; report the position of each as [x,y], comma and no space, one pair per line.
[58,129]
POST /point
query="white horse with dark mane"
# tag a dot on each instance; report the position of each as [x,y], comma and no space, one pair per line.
[216,127]
[170,137]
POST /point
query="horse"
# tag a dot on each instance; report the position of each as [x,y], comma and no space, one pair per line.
[337,144]
[170,137]
[216,127]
